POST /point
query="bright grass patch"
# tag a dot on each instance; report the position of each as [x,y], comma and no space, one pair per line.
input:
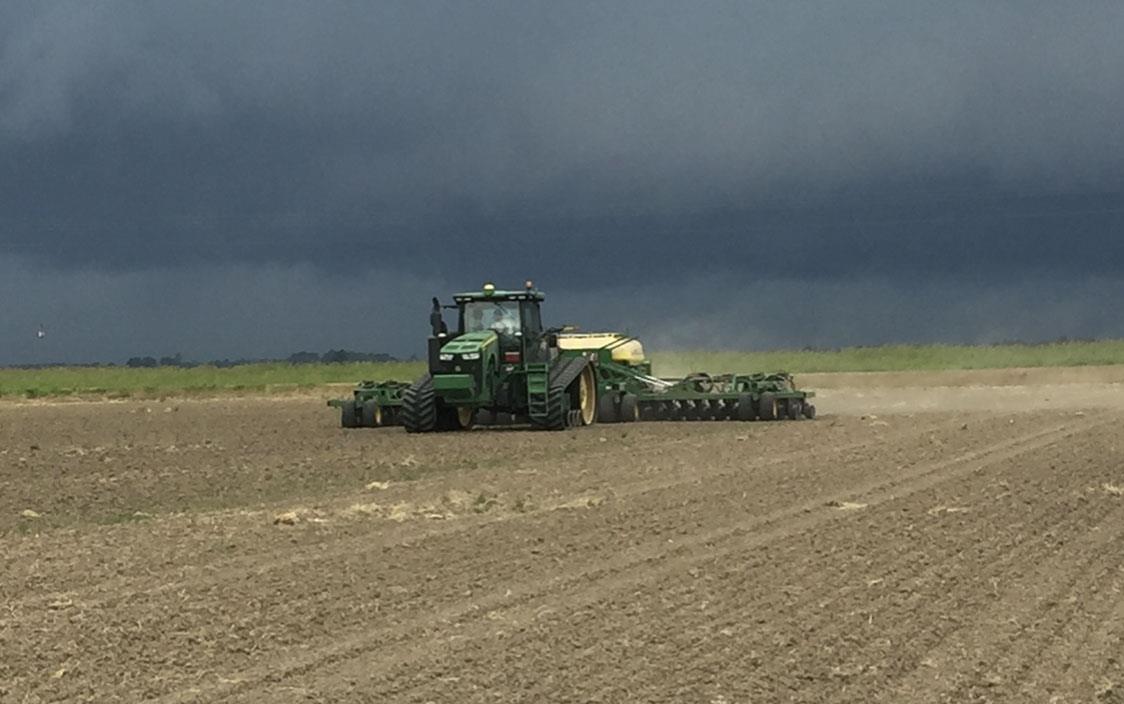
[890,358]
[123,382]
[154,381]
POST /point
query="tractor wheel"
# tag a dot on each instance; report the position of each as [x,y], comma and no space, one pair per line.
[630,408]
[809,411]
[504,418]
[419,406]
[607,408]
[371,414]
[767,407]
[794,409]
[485,417]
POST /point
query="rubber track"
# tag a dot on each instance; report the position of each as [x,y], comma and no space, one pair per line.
[560,378]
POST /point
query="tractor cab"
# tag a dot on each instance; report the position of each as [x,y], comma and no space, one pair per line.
[498,359]
[513,316]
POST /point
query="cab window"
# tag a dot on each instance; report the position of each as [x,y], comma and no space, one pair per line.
[501,316]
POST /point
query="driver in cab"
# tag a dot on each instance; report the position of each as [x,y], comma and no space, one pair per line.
[501,320]
[504,322]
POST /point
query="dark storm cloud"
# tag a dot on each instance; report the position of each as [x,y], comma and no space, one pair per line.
[596,145]
[273,310]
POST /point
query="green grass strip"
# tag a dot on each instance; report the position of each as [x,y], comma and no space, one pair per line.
[123,382]
[894,358]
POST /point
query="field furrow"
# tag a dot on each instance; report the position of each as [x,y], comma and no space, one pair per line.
[249,550]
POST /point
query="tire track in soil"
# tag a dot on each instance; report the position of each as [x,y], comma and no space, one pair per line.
[1097,516]
[164,617]
[1017,628]
[1073,611]
[416,486]
[1066,525]
[234,595]
[678,662]
[638,632]
[159,620]
[250,566]
[868,683]
[617,575]
[971,454]
[1099,674]
[710,658]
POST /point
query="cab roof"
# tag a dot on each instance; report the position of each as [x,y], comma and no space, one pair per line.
[489,293]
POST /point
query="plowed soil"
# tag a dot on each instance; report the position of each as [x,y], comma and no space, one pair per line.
[249,550]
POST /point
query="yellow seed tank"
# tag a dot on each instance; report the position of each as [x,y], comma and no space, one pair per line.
[627,352]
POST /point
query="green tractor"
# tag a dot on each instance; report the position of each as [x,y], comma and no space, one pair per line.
[499,364]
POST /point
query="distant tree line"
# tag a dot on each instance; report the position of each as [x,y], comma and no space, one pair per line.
[329,357]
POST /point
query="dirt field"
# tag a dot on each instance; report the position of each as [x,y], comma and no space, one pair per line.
[914,544]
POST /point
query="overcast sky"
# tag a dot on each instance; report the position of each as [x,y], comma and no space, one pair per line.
[255,178]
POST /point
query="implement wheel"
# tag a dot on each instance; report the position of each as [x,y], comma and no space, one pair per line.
[371,414]
[767,407]
[390,416]
[348,416]
[745,410]
[630,408]
[607,408]
[794,409]
[809,411]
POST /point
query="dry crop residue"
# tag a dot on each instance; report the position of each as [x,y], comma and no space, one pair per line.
[248,550]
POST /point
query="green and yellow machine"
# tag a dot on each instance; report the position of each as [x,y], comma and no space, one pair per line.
[501,366]
[372,405]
